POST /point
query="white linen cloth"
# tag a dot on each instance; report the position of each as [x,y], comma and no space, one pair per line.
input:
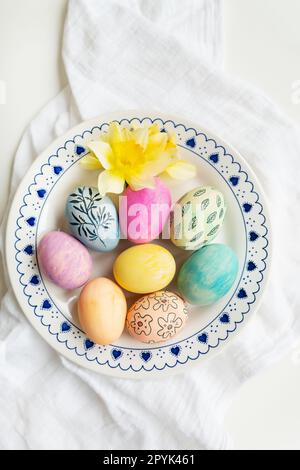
[164,56]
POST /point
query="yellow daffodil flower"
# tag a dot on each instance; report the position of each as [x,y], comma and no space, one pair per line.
[135,156]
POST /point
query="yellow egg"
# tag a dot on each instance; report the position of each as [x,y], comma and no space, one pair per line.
[144,268]
[102,310]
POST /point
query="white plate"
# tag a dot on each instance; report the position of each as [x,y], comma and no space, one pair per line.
[38,207]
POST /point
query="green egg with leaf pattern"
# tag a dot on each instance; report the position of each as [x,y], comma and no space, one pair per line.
[197,217]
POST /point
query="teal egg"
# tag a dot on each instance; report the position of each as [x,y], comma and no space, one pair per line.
[208,274]
[93,219]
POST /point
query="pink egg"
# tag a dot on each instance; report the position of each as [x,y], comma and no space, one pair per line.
[144,213]
[156,317]
[64,260]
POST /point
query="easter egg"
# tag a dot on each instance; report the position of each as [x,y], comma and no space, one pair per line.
[64,260]
[208,274]
[144,213]
[93,219]
[102,310]
[144,268]
[197,218]
[156,317]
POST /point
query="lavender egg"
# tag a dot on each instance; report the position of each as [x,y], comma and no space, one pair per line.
[64,260]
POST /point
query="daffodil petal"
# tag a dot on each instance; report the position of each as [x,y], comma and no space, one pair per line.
[181,170]
[157,165]
[103,151]
[110,182]
[137,182]
[116,133]
[157,141]
[153,129]
[90,162]
[141,136]
[104,137]
[172,140]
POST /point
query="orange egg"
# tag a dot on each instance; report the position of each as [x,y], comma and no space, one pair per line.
[102,310]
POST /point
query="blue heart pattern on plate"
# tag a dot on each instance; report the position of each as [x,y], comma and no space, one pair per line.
[191,143]
[242,294]
[79,150]
[214,158]
[57,169]
[225,318]
[88,344]
[251,266]
[234,180]
[35,280]
[253,236]
[65,326]
[31,221]
[28,249]
[247,207]
[146,355]
[46,305]
[203,338]
[175,350]
[116,353]
[41,193]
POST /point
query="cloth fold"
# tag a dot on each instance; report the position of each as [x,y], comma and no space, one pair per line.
[165,56]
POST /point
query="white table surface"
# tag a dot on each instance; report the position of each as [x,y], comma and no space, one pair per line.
[262,45]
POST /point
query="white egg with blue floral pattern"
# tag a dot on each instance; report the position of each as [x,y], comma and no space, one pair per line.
[156,317]
[93,219]
[197,218]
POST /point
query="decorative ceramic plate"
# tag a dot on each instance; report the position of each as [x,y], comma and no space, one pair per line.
[38,207]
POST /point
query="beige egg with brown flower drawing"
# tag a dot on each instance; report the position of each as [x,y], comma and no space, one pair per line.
[156,317]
